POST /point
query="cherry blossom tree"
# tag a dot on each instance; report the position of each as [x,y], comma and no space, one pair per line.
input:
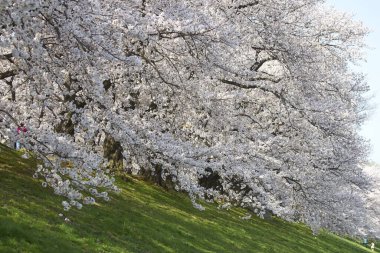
[373,200]
[243,102]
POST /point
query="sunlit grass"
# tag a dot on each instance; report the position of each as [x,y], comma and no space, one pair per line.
[142,218]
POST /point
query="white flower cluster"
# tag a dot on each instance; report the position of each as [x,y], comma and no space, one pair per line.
[66,182]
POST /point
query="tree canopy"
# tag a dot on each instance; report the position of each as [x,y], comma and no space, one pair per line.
[244,102]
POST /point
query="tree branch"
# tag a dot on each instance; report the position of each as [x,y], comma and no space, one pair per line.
[242,6]
[7,74]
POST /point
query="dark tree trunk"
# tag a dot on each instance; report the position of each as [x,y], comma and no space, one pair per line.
[113,152]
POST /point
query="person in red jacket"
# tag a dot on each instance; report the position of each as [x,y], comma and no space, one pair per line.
[20,131]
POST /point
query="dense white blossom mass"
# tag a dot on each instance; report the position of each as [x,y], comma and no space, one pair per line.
[244,102]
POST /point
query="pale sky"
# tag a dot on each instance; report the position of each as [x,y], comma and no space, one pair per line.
[368,12]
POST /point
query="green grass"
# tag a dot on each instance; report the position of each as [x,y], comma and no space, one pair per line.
[142,218]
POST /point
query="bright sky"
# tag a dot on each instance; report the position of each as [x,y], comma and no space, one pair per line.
[368,12]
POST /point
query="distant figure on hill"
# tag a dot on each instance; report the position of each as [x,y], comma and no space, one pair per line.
[372,246]
[20,131]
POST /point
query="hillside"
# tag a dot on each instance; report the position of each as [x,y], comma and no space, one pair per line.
[142,218]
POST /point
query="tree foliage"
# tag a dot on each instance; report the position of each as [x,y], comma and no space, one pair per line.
[245,102]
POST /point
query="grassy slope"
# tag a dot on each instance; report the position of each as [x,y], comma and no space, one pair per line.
[143,218]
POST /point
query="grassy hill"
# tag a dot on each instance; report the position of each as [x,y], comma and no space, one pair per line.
[142,218]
